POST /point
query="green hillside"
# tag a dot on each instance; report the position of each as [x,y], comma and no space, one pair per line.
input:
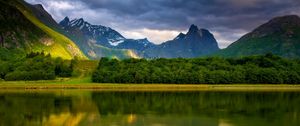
[280,36]
[21,30]
[86,44]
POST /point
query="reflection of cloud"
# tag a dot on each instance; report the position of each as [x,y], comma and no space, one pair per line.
[64,119]
[223,122]
[131,118]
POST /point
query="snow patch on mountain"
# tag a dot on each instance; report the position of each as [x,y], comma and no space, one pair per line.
[115,43]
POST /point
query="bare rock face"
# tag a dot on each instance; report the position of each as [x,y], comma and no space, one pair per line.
[47,41]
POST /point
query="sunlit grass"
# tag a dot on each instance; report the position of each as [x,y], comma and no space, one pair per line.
[86,84]
[119,53]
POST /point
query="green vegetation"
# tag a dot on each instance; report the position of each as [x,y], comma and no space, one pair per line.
[102,51]
[268,69]
[269,39]
[285,47]
[21,29]
[96,51]
[35,66]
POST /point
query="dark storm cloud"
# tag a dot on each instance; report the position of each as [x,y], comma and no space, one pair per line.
[177,14]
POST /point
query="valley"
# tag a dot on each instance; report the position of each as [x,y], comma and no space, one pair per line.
[75,48]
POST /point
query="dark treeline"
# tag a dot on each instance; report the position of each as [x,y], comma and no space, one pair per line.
[35,66]
[267,69]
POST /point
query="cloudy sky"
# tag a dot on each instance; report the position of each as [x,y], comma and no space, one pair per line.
[161,20]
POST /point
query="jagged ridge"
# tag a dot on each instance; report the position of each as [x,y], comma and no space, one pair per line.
[196,43]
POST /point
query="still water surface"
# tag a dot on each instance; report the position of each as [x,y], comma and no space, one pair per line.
[88,108]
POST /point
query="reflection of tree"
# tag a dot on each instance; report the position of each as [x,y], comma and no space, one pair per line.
[50,109]
[29,109]
[198,103]
[46,109]
[1,41]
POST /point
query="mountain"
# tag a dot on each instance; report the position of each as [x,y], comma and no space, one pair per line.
[139,45]
[280,36]
[91,50]
[40,13]
[104,36]
[100,41]
[196,42]
[22,31]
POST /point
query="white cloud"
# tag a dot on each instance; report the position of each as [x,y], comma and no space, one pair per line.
[156,36]
[224,39]
[61,8]
[61,5]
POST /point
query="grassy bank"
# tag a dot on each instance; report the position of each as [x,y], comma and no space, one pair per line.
[84,84]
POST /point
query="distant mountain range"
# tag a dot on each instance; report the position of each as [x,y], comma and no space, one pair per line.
[196,43]
[29,28]
[104,36]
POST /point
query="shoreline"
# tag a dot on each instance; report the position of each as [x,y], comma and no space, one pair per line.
[144,87]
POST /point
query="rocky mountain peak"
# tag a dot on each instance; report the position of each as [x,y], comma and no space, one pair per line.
[180,36]
[193,28]
[67,19]
[195,32]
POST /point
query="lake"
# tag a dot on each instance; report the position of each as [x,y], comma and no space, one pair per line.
[117,108]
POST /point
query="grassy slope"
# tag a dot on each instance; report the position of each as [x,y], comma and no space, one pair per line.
[277,43]
[283,47]
[62,47]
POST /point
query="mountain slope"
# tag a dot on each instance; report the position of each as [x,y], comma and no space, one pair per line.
[25,32]
[197,42]
[89,48]
[92,39]
[89,37]
[103,35]
[280,36]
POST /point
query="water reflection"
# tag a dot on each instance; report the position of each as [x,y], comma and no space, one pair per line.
[150,108]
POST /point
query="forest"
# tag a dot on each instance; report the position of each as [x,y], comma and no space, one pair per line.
[35,66]
[263,69]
